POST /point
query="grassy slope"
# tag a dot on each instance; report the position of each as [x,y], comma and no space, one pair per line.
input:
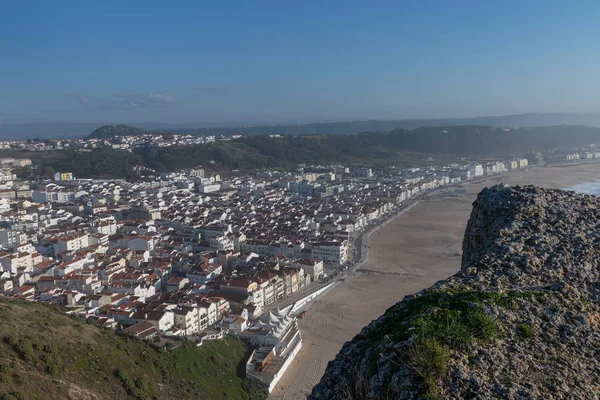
[46,354]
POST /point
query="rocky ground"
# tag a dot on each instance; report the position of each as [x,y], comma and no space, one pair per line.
[520,320]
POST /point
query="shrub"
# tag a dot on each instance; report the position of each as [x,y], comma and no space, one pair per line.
[24,348]
[137,388]
[53,363]
[11,340]
[482,326]
[526,330]
[50,349]
[451,323]
[429,359]
[13,396]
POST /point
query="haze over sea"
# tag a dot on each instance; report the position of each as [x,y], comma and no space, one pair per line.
[588,187]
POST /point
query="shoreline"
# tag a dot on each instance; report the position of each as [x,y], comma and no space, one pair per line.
[410,252]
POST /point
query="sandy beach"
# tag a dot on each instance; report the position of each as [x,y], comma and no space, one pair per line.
[420,247]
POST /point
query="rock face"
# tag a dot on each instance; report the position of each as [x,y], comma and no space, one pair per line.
[519,321]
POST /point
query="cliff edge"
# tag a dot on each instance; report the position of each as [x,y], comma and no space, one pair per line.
[519,321]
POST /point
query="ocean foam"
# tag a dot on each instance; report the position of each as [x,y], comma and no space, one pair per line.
[587,187]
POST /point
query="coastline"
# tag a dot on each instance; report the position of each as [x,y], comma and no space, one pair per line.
[420,246]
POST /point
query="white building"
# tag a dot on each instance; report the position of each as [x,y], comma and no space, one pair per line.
[221,243]
[311,267]
[10,238]
[332,253]
[71,243]
[53,193]
[141,243]
[476,170]
[209,187]
[363,172]
[278,339]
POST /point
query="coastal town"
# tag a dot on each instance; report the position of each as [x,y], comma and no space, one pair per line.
[122,142]
[188,256]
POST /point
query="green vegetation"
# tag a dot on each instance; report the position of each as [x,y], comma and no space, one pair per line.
[100,163]
[525,330]
[61,356]
[375,149]
[444,322]
[109,131]
[429,359]
[443,330]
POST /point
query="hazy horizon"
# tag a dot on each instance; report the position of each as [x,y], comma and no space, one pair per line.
[294,63]
[298,122]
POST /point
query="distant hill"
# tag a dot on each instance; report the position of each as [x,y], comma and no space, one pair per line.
[47,354]
[109,131]
[355,127]
[62,130]
[369,148]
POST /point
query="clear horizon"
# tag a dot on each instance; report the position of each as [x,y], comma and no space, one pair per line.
[197,63]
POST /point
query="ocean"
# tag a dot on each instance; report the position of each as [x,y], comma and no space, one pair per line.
[588,187]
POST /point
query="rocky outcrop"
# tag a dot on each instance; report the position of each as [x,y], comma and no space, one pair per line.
[519,321]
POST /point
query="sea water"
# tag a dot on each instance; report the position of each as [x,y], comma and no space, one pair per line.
[587,187]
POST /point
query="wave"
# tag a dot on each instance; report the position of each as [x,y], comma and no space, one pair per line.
[587,187]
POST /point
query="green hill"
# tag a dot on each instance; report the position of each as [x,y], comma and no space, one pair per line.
[370,148]
[47,354]
[109,131]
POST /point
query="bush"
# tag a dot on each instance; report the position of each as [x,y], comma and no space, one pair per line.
[482,326]
[53,363]
[11,340]
[429,359]
[24,348]
[526,330]
[13,396]
[255,391]
[137,388]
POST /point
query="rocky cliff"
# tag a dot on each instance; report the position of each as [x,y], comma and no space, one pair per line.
[519,321]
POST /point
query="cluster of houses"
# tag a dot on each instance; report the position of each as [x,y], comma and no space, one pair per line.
[116,142]
[171,258]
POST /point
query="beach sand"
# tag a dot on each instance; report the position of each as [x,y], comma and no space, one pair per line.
[420,247]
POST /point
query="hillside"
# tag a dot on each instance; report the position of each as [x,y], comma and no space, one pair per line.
[46,354]
[354,127]
[371,148]
[65,129]
[519,321]
[109,131]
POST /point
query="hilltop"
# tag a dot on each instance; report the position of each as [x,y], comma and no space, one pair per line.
[109,131]
[47,354]
[520,320]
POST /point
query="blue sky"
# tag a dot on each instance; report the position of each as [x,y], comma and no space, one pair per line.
[280,61]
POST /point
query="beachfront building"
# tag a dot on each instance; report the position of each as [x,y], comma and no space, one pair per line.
[332,253]
[311,267]
[278,340]
[476,170]
[512,165]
